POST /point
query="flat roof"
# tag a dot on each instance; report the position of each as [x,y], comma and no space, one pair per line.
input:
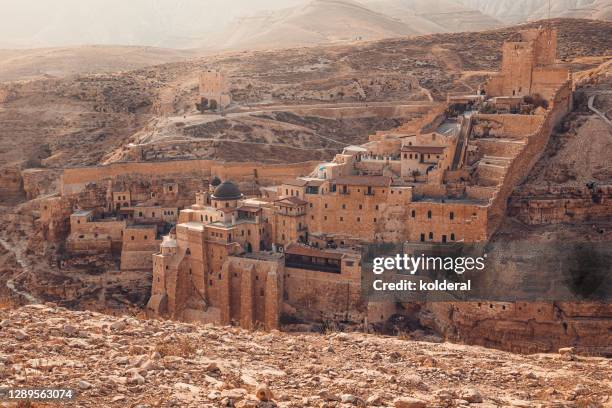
[436,200]
[82,212]
[296,182]
[193,225]
[377,181]
[226,210]
[261,255]
[169,243]
[356,148]
[142,226]
[424,149]
[291,201]
[298,249]
[249,208]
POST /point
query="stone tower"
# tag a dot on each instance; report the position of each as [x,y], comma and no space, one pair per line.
[214,91]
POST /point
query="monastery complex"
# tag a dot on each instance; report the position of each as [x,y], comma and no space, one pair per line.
[221,254]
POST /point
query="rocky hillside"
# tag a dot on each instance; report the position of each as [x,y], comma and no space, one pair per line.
[121,362]
[317,22]
[448,15]
[82,120]
[516,11]
[27,64]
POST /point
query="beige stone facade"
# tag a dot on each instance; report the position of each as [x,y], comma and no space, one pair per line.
[295,249]
[214,90]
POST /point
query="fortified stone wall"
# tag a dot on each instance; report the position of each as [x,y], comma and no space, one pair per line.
[506,126]
[74,180]
[500,148]
[343,112]
[531,153]
[546,80]
[323,295]
[255,291]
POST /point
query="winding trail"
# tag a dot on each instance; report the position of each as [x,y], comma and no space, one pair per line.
[597,111]
[10,284]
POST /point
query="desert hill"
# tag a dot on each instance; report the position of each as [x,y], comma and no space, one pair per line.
[331,21]
[309,23]
[124,361]
[448,15]
[516,11]
[90,118]
[317,22]
[25,64]
[219,25]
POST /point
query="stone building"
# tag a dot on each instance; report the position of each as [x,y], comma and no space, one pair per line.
[528,66]
[125,220]
[218,266]
[214,91]
[439,179]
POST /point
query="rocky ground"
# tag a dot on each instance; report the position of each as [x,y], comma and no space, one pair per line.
[127,362]
[579,148]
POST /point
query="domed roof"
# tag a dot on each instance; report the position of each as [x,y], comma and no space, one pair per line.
[227,191]
[215,181]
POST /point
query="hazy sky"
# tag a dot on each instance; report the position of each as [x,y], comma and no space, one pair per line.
[41,23]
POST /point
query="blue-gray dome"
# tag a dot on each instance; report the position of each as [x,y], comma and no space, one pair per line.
[227,191]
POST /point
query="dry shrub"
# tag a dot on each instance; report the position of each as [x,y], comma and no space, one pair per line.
[403,335]
[233,379]
[180,347]
[7,303]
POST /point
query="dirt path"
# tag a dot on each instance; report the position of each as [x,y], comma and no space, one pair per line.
[597,112]
[448,58]
[25,266]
